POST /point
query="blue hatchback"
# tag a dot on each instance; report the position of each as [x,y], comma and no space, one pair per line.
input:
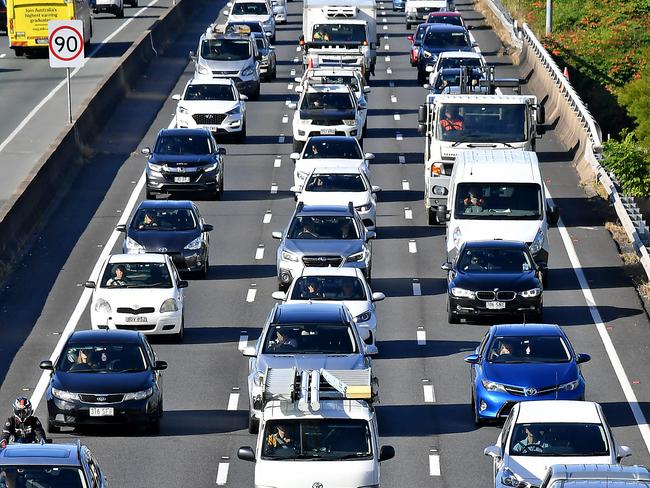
[523,362]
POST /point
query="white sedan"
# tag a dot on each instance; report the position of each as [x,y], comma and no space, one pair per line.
[138,292]
[542,433]
[347,286]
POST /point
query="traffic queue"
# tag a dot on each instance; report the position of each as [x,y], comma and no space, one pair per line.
[311,385]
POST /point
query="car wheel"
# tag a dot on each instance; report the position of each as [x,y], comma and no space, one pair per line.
[134,3]
[274,75]
[364,131]
[432,219]
[253,425]
[422,77]
[120,12]
[52,429]
[256,93]
[154,425]
[297,146]
[545,277]
[203,273]
[369,274]
[538,315]
[19,52]
[408,26]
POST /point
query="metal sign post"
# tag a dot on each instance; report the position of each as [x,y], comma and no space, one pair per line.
[66,49]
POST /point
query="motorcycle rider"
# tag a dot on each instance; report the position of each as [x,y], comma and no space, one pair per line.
[23,427]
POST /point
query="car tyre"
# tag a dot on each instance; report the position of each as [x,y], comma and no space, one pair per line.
[432,219]
[134,3]
[297,146]
[422,77]
[408,26]
[150,195]
[545,277]
[154,425]
[253,425]
[256,94]
[120,12]
[364,131]
[19,52]
[241,135]
[52,429]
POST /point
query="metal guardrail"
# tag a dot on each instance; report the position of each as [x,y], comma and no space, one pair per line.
[625,208]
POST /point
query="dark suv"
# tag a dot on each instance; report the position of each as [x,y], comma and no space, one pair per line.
[437,39]
[185,160]
[65,465]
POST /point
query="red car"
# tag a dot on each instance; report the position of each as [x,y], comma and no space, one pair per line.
[416,40]
[453,18]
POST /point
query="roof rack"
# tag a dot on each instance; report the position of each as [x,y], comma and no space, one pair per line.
[308,387]
[230,29]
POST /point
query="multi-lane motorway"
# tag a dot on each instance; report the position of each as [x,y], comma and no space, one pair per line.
[424,383]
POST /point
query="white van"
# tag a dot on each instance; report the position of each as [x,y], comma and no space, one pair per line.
[498,194]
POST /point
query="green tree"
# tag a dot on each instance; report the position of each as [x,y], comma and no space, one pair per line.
[630,162]
[635,96]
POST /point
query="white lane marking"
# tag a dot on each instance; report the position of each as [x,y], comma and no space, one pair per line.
[417,289]
[49,96]
[421,336]
[614,358]
[252,291]
[429,394]
[285,119]
[384,20]
[295,60]
[281,139]
[290,86]
[389,70]
[259,252]
[406,185]
[297,48]
[399,136]
[383,13]
[408,213]
[3,55]
[434,464]
[87,293]
[287,101]
[233,400]
[385,27]
[267,217]
[222,473]
[385,36]
[277,163]
[387,59]
[393,99]
[274,188]
[397,117]
[293,72]
[413,247]
[243,341]
[402,159]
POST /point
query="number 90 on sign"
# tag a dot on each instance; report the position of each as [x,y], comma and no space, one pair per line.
[66,43]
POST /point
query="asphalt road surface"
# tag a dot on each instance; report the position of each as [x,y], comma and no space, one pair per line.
[436,441]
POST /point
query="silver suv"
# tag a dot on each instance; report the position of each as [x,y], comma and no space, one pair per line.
[323,236]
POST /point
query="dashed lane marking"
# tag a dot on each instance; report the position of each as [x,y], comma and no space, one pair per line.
[295,60]
[421,336]
[274,188]
[3,55]
[429,394]
[397,117]
[267,217]
[281,139]
[222,473]
[293,72]
[385,27]
[406,185]
[290,86]
[387,59]
[399,136]
[413,247]
[233,401]
[434,464]
[277,163]
[402,159]
[393,99]
[408,213]
[285,119]
[259,252]
[243,340]
[252,292]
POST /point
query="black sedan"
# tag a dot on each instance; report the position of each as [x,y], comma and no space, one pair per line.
[170,227]
[185,160]
[492,278]
[105,377]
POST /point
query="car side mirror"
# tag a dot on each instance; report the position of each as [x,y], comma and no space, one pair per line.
[47,365]
[295,189]
[294,156]
[472,359]
[121,228]
[276,235]
[367,89]
[183,284]
[249,352]
[258,57]
[279,295]
[146,151]
[376,189]
[243,97]
[363,104]
[176,96]
[493,451]
[160,365]
[622,452]
[446,266]
[292,105]
[540,129]
[192,55]
[371,234]
[441,213]
[583,358]
[378,296]
[386,453]
[246,453]
[369,156]
[426,86]
[90,284]
[268,34]
[371,350]
[208,227]
[221,151]
[552,215]
[541,114]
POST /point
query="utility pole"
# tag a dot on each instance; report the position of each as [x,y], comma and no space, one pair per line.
[549,16]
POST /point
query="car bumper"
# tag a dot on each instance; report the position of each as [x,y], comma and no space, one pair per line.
[231,124]
[63,413]
[304,132]
[467,307]
[156,323]
[166,182]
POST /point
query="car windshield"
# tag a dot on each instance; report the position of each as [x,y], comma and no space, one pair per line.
[528,349]
[327,227]
[327,101]
[451,77]
[102,358]
[331,148]
[309,339]
[494,260]
[181,145]
[164,219]
[445,19]
[336,183]
[226,49]
[328,288]
[559,439]
[340,33]
[349,80]
[136,275]
[455,63]
[250,8]
[435,39]
[482,123]
[41,477]
[322,439]
[498,201]
[209,92]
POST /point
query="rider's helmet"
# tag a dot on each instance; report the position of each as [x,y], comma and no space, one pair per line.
[22,409]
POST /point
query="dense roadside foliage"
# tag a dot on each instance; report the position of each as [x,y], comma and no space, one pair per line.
[630,162]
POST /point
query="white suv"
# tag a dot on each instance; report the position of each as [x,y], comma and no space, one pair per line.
[255,11]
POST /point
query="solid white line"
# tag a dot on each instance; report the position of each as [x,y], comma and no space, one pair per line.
[250,296]
[267,217]
[274,188]
[285,119]
[406,185]
[49,96]
[417,289]
[397,117]
[434,464]
[259,253]
[408,213]
[87,293]
[413,247]
[233,400]
[222,473]
[277,163]
[614,358]
[385,20]
[399,136]
[243,341]
[295,60]
[421,336]
[429,395]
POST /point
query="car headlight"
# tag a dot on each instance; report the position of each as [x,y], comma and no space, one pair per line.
[457,236]
[508,478]
[289,256]
[203,70]
[363,208]
[210,167]
[133,246]
[102,306]
[357,256]
[463,293]
[440,190]
[169,305]
[363,317]
[570,386]
[492,386]
[155,167]
[183,110]
[139,395]
[532,293]
[349,121]
[248,71]
[195,245]
[538,242]
[235,110]
[67,396]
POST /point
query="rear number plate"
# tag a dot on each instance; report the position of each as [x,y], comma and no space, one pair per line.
[181,179]
[328,132]
[137,319]
[102,412]
[495,305]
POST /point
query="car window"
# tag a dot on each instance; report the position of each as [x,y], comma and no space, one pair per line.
[326,227]
[327,101]
[41,476]
[330,149]
[503,201]
[102,358]
[209,92]
[328,288]
[260,43]
[164,219]
[494,260]
[445,19]
[136,275]
[559,439]
[225,49]
[182,145]
[249,8]
[419,33]
[449,63]
[481,349]
[528,349]
[339,32]
[335,183]
[445,40]
[482,123]
[309,339]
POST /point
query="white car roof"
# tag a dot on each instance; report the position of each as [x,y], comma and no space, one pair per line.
[559,411]
[341,409]
[211,81]
[137,258]
[330,271]
[461,54]
[321,88]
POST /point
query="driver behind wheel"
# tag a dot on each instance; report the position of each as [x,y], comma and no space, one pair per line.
[532,442]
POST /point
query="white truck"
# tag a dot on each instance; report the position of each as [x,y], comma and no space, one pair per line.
[454,123]
[340,32]
[417,11]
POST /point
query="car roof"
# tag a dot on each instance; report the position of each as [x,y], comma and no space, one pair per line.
[460,54]
[151,257]
[324,210]
[183,132]
[329,409]
[166,204]
[445,14]
[496,244]
[330,271]
[40,455]
[330,139]
[512,330]
[211,81]
[327,88]
[310,313]
[105,336]
[446,28]
[498,166]
[559,411]
[599,472]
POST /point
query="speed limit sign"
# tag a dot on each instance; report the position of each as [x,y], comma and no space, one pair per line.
[66,43]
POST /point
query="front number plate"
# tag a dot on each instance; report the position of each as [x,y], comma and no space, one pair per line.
[328,132]
[495,305]
[181,179]
[102,412]
[139,320]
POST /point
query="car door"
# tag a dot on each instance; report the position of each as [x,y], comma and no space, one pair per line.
[151,358]
[197,215]
[476,370]
[259,345]
[178,292]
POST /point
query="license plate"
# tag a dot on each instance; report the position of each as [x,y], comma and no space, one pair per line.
[139,320]
[102,411]
[328,132]
[495,305]
[181,179]
[212,128]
